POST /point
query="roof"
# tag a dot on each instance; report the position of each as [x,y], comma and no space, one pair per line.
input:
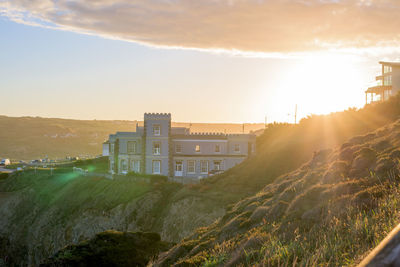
[378,88]
[397,64]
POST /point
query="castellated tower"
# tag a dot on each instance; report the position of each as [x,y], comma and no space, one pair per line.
[157,143]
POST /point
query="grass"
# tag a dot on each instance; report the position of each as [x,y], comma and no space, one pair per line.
[331,211]
[72,193]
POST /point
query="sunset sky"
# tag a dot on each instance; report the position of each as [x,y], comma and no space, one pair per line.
[203,61]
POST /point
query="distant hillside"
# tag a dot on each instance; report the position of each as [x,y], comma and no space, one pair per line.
[35,137]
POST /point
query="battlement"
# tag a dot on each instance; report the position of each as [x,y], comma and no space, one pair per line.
[157,116]
[207,134]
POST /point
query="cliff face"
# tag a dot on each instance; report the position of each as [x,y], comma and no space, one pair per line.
[35,224]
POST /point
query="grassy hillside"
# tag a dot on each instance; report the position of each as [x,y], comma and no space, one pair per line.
[35,137]
[285,147]
[41,212]
[329,212]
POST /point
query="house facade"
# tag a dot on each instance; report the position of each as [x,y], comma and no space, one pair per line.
[388,83]
[158,148]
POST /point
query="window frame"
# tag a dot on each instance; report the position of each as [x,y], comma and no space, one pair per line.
[188,167]
[236,146]
[112,148]
[124,165]
[153,167]
[128,150]
[156,133]
[219,164]
[197,150]
[201,166]
[179,162]
[159,148]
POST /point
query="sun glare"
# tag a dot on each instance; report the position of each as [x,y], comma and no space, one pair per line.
[320,85]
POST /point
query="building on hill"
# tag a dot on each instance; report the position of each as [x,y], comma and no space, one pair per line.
[158,148]
[388,83]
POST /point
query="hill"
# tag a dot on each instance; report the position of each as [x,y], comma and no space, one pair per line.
[35,137]
[62,209]
[285,147]
[329,212]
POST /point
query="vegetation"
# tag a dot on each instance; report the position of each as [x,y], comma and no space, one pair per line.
[99,165]
[285,147]
[111,248]
[329,212]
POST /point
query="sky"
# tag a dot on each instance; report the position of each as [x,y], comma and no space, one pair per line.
[203,61]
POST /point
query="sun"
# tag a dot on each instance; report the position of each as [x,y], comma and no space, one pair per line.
[320,84]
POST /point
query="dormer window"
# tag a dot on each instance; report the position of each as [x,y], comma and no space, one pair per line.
[237,148]
[197,148]
[156,129]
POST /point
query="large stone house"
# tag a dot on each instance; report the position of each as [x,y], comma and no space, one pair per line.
[158,148]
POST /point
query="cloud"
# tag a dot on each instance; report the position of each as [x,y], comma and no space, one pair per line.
[270,26]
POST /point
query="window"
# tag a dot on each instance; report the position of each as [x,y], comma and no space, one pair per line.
[197,148]
[178,148]
[178,166]
[112,148]
[217,165]
[387,80]
[387,69]
[124,166]
[156,148]
[204,166]
[237,148]
[217,149]
[156,129]
[191,166]
[131,146]
[135,165]
[156,166]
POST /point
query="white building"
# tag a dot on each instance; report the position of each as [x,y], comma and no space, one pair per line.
[388,83]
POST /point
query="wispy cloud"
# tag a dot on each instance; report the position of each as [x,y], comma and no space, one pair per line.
[269,26]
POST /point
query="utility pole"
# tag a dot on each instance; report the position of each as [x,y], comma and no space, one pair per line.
[243,127]
[265,122]
[295,115]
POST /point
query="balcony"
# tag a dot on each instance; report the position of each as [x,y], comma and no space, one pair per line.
[378,89]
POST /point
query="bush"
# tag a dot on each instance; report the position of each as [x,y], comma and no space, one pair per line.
[3,176]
